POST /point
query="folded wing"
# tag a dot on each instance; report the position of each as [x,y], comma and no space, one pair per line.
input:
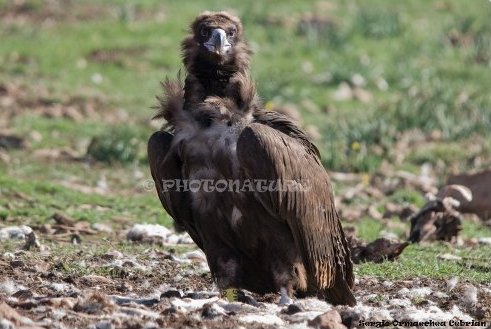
[275,150]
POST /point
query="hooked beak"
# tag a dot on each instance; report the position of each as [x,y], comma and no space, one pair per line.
[218,42]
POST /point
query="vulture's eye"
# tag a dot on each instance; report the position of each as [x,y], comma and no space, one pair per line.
[232,32]
[204,31]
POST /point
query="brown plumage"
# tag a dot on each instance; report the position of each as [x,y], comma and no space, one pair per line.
[257,238]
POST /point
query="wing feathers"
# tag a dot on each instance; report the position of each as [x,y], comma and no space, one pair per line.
[266,153]
[166,165]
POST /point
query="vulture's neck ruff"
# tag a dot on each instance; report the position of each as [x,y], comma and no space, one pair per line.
[213,55]
[214,78]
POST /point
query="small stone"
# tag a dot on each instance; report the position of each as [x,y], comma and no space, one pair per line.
[171,293]
[329,320]
[23,294]
[16,263]
[293,309]
[350,318]
[104,325]
[211,311]
[170,310]
[95,303]
[124,287]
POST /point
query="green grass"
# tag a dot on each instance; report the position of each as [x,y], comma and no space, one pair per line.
[422,261]
[46,198]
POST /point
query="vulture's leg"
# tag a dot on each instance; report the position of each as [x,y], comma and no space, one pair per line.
[225,266]
[285,299]
[284,276]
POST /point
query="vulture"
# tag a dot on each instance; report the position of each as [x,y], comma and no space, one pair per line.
[246,184]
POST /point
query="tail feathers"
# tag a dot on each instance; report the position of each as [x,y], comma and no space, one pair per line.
[339,294]
[172,101]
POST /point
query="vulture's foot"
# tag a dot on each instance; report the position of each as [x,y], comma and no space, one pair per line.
[285,300]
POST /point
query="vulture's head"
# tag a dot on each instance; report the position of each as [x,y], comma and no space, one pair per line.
[216,39]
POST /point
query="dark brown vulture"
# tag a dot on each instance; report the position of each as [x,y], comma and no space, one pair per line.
[246,184]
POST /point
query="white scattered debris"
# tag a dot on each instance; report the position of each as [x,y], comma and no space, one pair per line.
[381,83]
[14,232]
[102,227]
[389,235]
[236,307]
[60,287]
[104,325]
[180,259]
[8,255]
[449,257]
[139,312]
[387,284]
[439,294]
[343,92]
[304,316]
[313,304]
[189,304]
[485,240]
[183,238]
[102,184]
[10,287]
[150,232]
[358,80]
[469,295]
[154,233]
[452,283]
[418,292]
[381,314]
[268,319]
[97,78]
[214,310]
[400,302]
[196,255]
[435,313]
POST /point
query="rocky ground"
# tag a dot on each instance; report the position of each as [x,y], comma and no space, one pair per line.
[165,283]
